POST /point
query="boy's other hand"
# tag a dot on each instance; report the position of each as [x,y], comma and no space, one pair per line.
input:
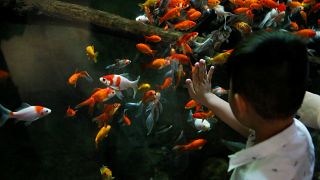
[200,86]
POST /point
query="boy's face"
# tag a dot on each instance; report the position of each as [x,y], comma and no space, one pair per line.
[238,107]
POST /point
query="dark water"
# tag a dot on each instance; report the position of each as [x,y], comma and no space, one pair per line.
[41,53]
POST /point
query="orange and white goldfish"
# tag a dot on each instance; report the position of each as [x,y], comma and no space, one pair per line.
[103,133]
[4,75]
[26,113]
[219,91]
[193,145]
[144,87]
[153,38]
[157,64]
[171,14]
[202,125]
[91,53]
[120,63]
[73,79]
[119,82]
[106,173]
[145,48]
[149,96]
[184,25]
[99,95]
[166,83]
[108,112]
[70,112]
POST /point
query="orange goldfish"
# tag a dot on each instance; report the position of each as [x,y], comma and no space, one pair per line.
[294,4]
[203,115]
[243,27]
[192,104]
[103,133]
[213,3]
[145,48]
[237,2]
[171,14]
[194,16]
[149,96]
[241,10]
[304,16]
[91,53]
[194,145]
[3,75]
[70,112]
[184,25]
[125,119]
[99,95]
[282,7]
[255,6]
[269,4]
[178,3]
[108,112]
[186,48]
[181,58]
[73,79]
[186,37]
[166,83]
[179,75]
[294,26]
[153,38]
[191,11]
[308,33]
[157,64]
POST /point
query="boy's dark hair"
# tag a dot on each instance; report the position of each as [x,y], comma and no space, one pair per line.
[270,71]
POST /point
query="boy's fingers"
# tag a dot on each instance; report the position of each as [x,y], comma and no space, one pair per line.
[190,87]
[210,73]
[202,70]
[195,73]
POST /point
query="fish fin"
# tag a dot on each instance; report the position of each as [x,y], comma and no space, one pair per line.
[135,86]
[87,76]
[125,75]
[27,123]
[95,57]
[5,115]
[24,105]
[110,66]
[85,103]
[149,123]
[119,94]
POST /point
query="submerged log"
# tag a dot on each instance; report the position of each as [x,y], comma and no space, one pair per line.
[72,12]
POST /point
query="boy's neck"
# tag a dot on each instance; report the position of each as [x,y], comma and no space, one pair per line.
[264,129]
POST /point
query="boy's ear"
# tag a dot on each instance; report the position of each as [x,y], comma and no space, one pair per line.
[240,103]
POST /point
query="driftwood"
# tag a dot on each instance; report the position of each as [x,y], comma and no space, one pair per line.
[77,13]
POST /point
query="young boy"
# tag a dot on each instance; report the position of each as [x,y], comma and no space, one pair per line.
[267,84]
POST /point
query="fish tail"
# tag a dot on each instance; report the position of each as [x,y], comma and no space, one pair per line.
[87,102]
[135,86]
[110,66]
[5,115]
[179,148]
[141,6]
[95,57]
[87,76]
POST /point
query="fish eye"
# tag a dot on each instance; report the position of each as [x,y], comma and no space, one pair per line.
[103,79]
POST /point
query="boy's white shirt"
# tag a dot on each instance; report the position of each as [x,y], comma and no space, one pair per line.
[287,155]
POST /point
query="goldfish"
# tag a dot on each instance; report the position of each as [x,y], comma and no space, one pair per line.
[179,75]
[99,95]
[153,38]
[213,3]
[145,48]
[259,6]
[308,33]
[191,11]
[120,63]
[125,118]
[186,48]
[185,38]
[70,112]
[149,15]
[184,25]
[144,87]
[202,125]
[91,53]
[106,173]
[149,96]
[119,82]
[240,10]
[171,14]
[103,133]
[181,58]
[25,113]
[108,112]
[237,2]
[304,16]
[269,4]
[203,115]
[314,8]
[166,83]
[3,75]
[294,26]
[193,145]
[243,27]
[148,3]
[157,64]
[73,79]
[220,58]
[178,3]
[192,104]
[194,16]
[219,91]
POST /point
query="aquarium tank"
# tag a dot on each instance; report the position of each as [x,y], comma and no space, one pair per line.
[96,89]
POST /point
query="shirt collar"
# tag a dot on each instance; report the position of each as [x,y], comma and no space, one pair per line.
[262,149]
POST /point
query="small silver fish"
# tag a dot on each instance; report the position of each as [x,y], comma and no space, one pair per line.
[120,63]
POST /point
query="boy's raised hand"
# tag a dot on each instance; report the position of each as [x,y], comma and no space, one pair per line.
[200,86]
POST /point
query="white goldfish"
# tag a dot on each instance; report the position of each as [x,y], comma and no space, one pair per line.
[26,113]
